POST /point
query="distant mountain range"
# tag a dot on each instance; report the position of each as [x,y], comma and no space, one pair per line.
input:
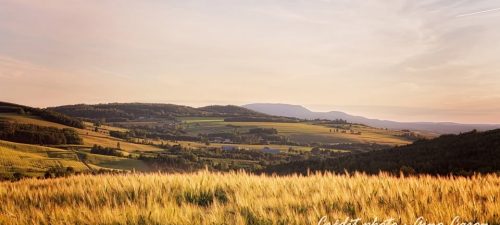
[304,113]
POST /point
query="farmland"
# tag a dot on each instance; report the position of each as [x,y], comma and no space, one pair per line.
[240,198]
[142,147]
[215,170]
[89,135]
[305,132]
[33,160]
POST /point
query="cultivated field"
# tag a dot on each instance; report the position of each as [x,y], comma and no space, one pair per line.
[89,136]
[198,145]
[300,132]
[33,160]
[239,198]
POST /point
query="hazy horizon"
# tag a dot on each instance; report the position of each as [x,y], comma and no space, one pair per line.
[433,60]
[377,112]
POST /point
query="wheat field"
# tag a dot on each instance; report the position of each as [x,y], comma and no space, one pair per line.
[241,198]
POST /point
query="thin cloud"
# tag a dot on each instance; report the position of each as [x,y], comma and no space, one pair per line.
[480,12]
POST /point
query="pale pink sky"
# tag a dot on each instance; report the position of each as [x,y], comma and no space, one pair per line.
[392,59]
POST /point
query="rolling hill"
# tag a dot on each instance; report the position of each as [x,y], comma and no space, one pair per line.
[88,134]
[304,113]
[33,160]
[303,132]
[162,121]
[39,125]
[121,112]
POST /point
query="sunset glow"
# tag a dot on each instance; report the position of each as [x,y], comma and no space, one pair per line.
[398,60]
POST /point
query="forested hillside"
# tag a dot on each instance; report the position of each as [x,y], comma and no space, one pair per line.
[39,135]
[45,114]
[458,154]
[121,112]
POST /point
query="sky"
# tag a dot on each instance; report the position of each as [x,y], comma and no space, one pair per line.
[403,60]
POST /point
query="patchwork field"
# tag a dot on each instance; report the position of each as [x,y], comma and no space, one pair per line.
[17,158]
[300,132]
[33,160]
[89,136]
[112,162]
[197,145]
[238,198]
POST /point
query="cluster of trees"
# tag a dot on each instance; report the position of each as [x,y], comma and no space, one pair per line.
[119,134]
[265,136]
[353,147]
[11,109]
[97,149]
[272,119]
[56,172]
[327,152]
[58,118]
[263,131]
[331,122]
[409,135]
[176,158]
[33,134]
[182,162]
[152,132]
[462,154]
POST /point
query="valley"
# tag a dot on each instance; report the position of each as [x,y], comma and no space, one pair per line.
[156,137]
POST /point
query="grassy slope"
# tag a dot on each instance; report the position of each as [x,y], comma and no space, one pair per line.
[112,162]
[90,137]
[239,199]
[301,132]
[35,160]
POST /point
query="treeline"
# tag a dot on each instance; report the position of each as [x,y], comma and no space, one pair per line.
[57,172]
[97,149]
[45,114]
[121,112]
[177,158]
[33,134]
[462,154]
[354,147]
[330,122]
[229,110]
[254,136]
[262,119]
[263,131]
[57,118]
[119,134]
